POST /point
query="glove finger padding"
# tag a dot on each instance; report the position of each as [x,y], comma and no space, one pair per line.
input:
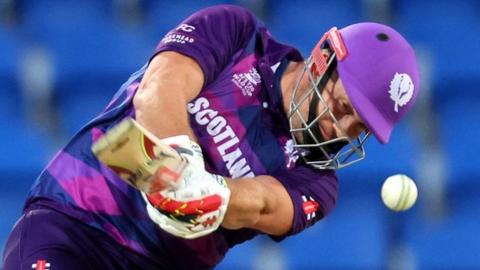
[188,219]
[194,207]
[203,225]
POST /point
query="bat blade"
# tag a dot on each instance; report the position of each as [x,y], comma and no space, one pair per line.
[136,155]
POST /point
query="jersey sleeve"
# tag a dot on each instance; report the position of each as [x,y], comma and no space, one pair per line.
[313,193]
[211,36]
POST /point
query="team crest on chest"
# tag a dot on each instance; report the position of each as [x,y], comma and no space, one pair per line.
[247,81]
[246,76]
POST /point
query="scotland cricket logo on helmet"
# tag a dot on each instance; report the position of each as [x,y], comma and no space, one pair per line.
[401,90]
[379,72]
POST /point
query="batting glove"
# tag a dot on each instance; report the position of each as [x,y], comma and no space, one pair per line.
[197,204]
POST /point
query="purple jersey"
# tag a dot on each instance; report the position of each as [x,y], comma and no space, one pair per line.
[240,124]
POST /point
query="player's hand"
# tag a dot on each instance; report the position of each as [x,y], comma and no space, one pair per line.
[196,205]
[192,211]
[187,148]
[190,151]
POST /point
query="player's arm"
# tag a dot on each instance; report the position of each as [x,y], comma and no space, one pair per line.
[282,204]
[204,202]
[170,82]
[187,58]
[260,203]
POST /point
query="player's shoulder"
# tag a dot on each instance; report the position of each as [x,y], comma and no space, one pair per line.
[226,11]
[314,173]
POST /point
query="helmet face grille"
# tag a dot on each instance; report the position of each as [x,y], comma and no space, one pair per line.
[313,148]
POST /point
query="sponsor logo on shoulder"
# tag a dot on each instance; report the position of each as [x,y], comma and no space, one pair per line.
[186,27]
[41,265]
[177,38]
[310,206]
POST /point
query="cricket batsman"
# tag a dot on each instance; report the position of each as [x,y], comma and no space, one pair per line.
[263,128]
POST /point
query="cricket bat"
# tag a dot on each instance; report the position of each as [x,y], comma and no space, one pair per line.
[136,155]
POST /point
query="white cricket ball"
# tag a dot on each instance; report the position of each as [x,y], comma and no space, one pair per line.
[399,192]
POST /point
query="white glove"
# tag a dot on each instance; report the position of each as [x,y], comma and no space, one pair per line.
[197,205]
[187,148]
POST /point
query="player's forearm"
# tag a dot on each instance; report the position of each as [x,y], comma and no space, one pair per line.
[171,81]
[259,203]
[246,204]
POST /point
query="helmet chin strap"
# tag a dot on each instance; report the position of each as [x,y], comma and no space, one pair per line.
[316,153]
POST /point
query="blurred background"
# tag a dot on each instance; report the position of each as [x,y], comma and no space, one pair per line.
[62,60]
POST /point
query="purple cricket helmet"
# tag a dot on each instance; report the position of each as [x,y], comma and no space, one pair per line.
[379,72]
[380,75]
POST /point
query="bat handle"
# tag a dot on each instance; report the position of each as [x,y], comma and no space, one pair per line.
[167,178]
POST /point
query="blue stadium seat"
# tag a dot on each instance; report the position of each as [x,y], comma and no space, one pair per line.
[92,54]
[241,256]
[12,204]
[24,149]
[353,236]
[24,154]
[448,32]
[86,45]
[13,191]
[34,10]
[78,110]
[451,242]
[302,25]
[459,133]
[11,49]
